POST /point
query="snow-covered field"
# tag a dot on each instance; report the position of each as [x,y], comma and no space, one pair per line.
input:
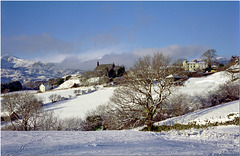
[201,85]
[221,113]
[212,141]
[80,105]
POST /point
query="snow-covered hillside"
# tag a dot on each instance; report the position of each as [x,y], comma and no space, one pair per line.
[212,141]
[223,60]
[16,69]
[69,83]
[221,113]
[201,85]
[80,105]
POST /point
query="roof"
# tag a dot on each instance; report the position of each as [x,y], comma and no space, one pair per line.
[199,62]
[103,66]
[173,76]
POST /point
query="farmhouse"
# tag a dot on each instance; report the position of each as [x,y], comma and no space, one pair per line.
[194,65]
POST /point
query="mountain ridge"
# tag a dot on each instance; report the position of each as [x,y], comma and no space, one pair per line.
[17,69]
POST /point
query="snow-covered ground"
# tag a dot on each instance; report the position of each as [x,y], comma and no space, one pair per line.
[80,105]
[69,83]
[211,141]
[220,113]
[201,85]
[219,140]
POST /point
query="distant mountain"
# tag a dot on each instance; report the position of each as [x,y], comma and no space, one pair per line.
[16,69]
[223,60]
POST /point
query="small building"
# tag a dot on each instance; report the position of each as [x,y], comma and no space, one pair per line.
[173,77]
[177,80]
[44,88]
[194,65]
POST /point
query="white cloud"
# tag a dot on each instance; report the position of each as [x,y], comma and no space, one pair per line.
[52,57]
[87,61]
[174,51]
[94,54]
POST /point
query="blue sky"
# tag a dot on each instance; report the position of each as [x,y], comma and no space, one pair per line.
[57,31]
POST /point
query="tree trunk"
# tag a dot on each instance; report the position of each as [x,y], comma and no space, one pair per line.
[149,122]
[25,125]
[13,126]
[150,126]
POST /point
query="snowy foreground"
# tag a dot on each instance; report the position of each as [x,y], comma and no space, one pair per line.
[211,141]
[127,142]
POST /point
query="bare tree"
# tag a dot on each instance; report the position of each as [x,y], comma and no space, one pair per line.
[178,104]
[232,74]
[232,69]
[145,90]
[27,106]
[209,57]
[55,97]
[179,62]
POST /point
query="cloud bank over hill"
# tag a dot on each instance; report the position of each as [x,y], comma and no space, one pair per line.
[87,61]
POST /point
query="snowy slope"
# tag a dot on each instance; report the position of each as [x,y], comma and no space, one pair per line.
[190,142]
[14,62]
[77,106]
[69,83]
[202,85]
[16,69]
[213,114]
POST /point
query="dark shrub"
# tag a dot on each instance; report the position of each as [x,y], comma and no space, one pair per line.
[60,81]
[93,123]
[11,86]
[120,71]
[75,85]
[225,93]
[68,77]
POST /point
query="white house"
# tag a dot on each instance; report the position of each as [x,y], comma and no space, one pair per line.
[43,87]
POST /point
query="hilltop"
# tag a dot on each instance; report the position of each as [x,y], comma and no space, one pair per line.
[17,69]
